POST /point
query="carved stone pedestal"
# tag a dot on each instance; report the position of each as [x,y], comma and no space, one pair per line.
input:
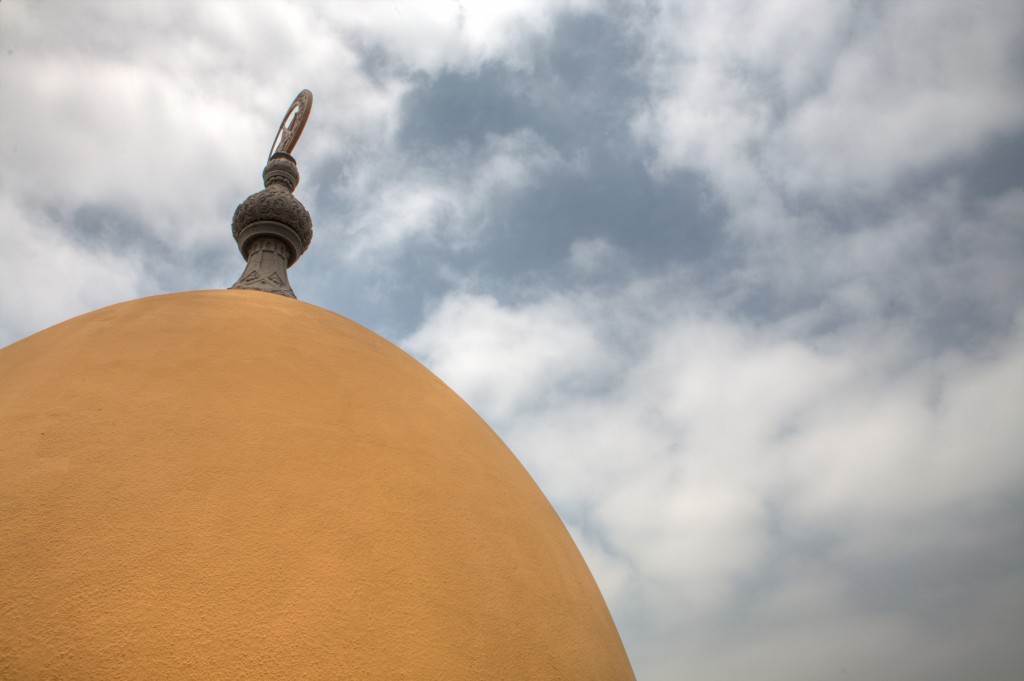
[267,268]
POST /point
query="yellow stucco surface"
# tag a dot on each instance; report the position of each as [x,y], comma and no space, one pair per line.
[232,484]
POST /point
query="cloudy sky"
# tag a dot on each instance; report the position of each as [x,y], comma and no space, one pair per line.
[741,283]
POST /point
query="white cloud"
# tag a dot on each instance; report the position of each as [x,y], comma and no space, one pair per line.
[74,281]
[499,358]
[893,452]
[437,34]
[829,100]
[397,202]
[700,465]
[592,255]
[899,101]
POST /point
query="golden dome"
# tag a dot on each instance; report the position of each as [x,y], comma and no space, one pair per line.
[232,484]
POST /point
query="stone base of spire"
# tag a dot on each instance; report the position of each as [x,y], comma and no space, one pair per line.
[267,267]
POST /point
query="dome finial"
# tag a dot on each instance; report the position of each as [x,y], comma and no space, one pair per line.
[272,227]
[292,124]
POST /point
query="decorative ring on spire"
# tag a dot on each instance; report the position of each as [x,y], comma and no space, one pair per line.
[294,121]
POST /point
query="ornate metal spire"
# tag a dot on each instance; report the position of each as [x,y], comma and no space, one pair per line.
[273,229]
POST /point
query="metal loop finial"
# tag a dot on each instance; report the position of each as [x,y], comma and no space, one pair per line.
[292,124]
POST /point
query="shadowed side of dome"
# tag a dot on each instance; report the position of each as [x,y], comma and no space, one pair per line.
[232,484]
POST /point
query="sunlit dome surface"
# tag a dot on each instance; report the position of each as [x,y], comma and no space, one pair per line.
[234,484]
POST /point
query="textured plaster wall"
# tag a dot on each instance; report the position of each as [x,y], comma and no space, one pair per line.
[231,484]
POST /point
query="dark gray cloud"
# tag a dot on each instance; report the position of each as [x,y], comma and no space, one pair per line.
[579,91]
[997,169]
[578,94]
[171,266]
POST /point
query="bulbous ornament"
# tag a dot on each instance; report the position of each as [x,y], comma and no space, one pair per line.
[274,211]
